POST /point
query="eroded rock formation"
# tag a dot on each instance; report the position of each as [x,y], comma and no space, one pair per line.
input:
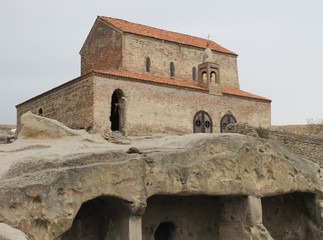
[7,133]
[198,186]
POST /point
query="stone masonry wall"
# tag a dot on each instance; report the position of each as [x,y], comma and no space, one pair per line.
[313,129]
[161,53]
[305,145]
[158,109]
[308,146]
[72,104]
[102,49]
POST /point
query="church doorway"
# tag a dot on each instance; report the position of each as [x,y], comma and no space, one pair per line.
[226,120]
[202,122]
[117,110]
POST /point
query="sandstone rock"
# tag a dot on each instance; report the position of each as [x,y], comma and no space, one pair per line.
[133,150]
[37,127]
[83,183]
[3,138]
[7,133]
[241,128]
[9,233]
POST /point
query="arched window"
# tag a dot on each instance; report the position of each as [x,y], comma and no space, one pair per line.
[194,73]
[40,112]
[226,120]
[204,77]
[148,64]
[172,69]
[202,122]
[213,77]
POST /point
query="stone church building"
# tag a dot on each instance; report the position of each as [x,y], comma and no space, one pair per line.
[140,80]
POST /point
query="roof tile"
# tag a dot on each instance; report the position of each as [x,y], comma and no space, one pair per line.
[152,79]
[177,83]
[152,32]
[240,93]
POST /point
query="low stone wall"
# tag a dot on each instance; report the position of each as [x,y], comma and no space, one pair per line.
[305,145]
[308,146]
[313,129]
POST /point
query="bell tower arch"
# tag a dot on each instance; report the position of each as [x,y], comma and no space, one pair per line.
[208,73]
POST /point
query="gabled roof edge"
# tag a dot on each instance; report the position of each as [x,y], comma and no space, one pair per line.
[120,22]
[80,78]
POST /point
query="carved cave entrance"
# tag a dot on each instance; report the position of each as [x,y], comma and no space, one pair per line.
[117,110]
[291,216]
[100,218]
[202,122]
[192,217]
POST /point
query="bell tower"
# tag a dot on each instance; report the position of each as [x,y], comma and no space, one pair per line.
[208,73]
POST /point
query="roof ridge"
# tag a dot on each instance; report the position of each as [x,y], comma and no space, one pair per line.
[160,29]
[158,33]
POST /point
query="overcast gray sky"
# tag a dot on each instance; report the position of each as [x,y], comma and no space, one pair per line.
[279,42]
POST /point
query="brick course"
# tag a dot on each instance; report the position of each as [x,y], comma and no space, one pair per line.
[71,104]
[107,48]
[156,109]
[305,145]
[162,53]
[102,49]
[149,108]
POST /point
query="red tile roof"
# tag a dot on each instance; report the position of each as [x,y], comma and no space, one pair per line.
[240,93]
[177,83]
[147,31]
[151,79]
[154,80]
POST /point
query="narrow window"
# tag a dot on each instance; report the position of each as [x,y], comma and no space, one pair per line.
[172,69]
[40,112]
[147,64]
[204,77]
[213,77]
[194,73]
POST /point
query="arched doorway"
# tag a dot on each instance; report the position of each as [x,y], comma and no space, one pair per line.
[202,122]
[40,112]
[226,120]
[117,110]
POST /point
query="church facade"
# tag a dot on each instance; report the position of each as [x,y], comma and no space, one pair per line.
[141,80]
